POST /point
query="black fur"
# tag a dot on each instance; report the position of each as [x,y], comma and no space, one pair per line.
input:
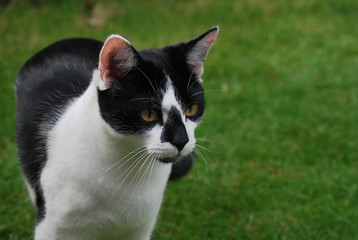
[45,84]
[174,130]
[61,72]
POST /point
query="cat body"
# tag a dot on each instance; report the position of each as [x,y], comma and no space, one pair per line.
[100,129]
[92,196]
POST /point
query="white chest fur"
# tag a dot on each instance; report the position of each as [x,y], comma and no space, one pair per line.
[93,187]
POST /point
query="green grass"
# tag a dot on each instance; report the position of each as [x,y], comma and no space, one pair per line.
[283,126]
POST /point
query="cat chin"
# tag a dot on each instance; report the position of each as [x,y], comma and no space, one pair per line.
[175,159]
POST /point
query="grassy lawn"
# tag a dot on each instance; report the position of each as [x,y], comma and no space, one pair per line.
[281,120]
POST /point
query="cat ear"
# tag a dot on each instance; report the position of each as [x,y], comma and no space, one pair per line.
[198,49]
[117,57]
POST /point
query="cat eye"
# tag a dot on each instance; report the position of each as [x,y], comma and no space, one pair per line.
[191,110]
[149,115]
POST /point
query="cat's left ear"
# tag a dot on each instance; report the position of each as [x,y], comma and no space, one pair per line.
[116,58]
[197,50]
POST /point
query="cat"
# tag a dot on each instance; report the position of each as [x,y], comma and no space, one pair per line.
[100,129]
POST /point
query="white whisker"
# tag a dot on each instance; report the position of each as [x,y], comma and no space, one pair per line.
[145,172]
[191,75]
[151,169]
[209,151]
[200,92]
[121,162]
[197,168]
[130,169]
[207,140]
[135,177]
[198,152]
[139,99]
[148,80]
[206,149]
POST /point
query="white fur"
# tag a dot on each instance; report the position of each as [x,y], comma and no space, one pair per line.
[31,191]
[167,150]
[88,189]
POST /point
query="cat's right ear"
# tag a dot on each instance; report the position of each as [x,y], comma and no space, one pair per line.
[117,58]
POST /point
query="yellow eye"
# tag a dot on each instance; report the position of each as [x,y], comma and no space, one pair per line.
[149,115]
[191,110]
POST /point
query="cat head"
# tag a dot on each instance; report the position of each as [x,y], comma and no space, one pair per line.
[154,95]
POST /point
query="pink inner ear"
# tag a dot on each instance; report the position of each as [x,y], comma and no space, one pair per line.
[211,38]
[199,69]
[198,61]
[112,45]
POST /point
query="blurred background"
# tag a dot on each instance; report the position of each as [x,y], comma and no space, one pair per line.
[279,141]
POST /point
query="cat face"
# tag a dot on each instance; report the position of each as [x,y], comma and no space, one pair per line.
[155,94]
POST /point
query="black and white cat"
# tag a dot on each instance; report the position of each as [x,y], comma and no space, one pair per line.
[101,127]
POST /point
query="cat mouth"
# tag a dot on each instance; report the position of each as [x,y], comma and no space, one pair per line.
[169,160]
[174,159]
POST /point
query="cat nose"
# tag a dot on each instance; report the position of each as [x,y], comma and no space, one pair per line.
[176,135]
[174,130]
[180,141]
